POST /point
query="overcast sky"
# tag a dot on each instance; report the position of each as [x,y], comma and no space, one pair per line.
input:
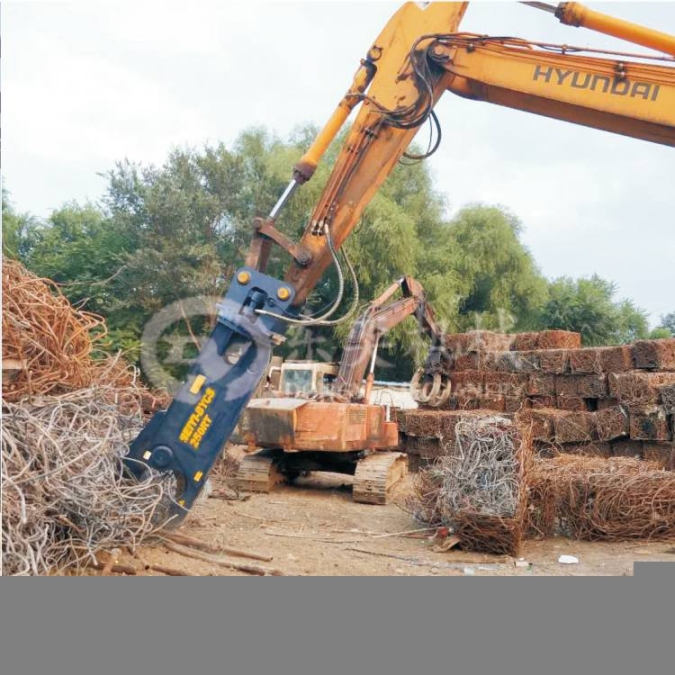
[89,83]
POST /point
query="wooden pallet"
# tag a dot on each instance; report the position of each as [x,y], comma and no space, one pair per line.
[376,475]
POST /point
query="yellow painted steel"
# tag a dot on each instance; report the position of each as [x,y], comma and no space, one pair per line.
[312,157]
[405,75]
[197,384]
[372,147]
[576,14]
[639,102]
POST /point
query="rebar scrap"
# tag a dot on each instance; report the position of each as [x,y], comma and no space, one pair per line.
[615,499]
[65,494]
[50,347]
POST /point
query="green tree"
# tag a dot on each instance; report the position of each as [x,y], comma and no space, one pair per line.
[588,306]
[499,284]
[660,333]
[165,233]
[667,327]
[18,230]
[80,251]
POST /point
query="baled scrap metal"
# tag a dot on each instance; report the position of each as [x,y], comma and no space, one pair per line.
[614,499]
[480,489]
[654,354]
[602,395]
[639,387]
[611,423]
[650,423]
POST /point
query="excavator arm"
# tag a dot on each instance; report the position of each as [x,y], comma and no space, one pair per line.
[187,438]
[419,55]
[379,318]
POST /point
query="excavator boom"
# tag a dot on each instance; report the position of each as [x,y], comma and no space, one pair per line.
[632,99]
[414,63]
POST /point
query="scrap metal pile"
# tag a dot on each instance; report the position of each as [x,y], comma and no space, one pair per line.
[600,401]
[67,419]
[601,499]
[479,489]
[601,422]
[47,345]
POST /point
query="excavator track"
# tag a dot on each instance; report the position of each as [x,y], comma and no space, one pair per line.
[259,473]
[376,475]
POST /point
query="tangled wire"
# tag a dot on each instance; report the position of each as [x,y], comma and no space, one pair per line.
[65,495]
[639,387]
[668,398]
[480,489]
[47,344]
[601,499]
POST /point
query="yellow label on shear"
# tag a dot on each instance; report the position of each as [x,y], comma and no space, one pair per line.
[199,422]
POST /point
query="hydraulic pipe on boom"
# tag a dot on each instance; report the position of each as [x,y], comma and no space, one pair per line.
[577,15]
[370,378]
[306,167]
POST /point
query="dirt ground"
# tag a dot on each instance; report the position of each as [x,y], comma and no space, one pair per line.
[314,528]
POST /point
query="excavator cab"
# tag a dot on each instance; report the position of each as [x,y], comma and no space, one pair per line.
[307,377]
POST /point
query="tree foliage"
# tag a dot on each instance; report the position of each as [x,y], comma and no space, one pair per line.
[79,250]
[17,230]
[660,333]
[167,233]
[500,285]
[588,306]
[667,327]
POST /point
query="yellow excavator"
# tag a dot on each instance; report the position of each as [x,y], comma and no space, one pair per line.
[420,54]
[339,429]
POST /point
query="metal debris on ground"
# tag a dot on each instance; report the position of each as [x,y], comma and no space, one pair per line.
[65,495]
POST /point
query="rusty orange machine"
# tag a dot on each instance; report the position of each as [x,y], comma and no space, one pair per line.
[339,430]
[295,425]
[304,436]
[307,436]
